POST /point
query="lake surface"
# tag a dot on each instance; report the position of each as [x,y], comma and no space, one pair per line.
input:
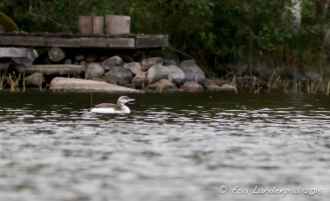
[179,147]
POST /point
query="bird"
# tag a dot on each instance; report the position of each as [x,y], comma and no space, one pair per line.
[110,108]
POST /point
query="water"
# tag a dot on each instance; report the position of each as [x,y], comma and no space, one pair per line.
[180,147]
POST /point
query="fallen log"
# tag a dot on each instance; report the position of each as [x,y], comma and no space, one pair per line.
[54,69]
[87,86]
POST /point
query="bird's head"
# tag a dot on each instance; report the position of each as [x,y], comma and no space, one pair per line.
[124,99]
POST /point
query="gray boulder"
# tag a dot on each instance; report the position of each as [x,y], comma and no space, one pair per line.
[157,72]
[192,71]
[149,62]
[134,67]
[35,79]
[175,74]
[68,61]
[193,87]
[79,58]
[119,75]
[168,62]
[91,58]
[112,61]
[172,73]
[162,85]
[313,76]
[23,57]
[87,86]
[94,71]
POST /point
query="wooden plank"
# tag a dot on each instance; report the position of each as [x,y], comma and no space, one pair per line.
[22,41]
[80,41]
[87,42]
[151,41]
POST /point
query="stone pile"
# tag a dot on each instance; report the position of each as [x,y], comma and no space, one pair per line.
[152,74]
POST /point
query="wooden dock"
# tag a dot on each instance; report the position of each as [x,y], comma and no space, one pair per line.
[64,40]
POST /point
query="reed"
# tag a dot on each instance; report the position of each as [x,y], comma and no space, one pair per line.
[23,82]
[276,83]
[2,81]
[13,81]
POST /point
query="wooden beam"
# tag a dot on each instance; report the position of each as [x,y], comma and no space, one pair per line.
[151,41]
[82,41]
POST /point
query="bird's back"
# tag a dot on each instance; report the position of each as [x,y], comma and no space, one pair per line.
[106,105]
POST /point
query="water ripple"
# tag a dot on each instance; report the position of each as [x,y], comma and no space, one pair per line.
[167,150]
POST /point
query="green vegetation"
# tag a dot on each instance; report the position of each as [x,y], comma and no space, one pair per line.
[7,23]
[215,32]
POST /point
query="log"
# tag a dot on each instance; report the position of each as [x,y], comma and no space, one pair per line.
[56,54]
[87,86]
[98,25]
[54,69]
[85,24]
[117,24]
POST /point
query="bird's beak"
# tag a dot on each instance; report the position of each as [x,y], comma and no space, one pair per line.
[131,100]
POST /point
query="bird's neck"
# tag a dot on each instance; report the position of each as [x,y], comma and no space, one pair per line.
[124,108]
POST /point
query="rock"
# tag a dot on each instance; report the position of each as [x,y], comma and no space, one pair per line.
[140,80]
[94,71]
[91,58]
[157,72]
[237,69]
[193,87]
[175,74]
[223,88]
[172,73]
[192,71]
[168,62]
[53,69]
[21,56]
[119,75]
[12,52]
[36,79]
[56,54]
[213,87]
[217,85]
[149,62]
[79,58]
[162,85]
[112,61]
[87,86]
[134,67]
[218,82]
[292,73]
[313,76]
[263,71]
[68,61]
